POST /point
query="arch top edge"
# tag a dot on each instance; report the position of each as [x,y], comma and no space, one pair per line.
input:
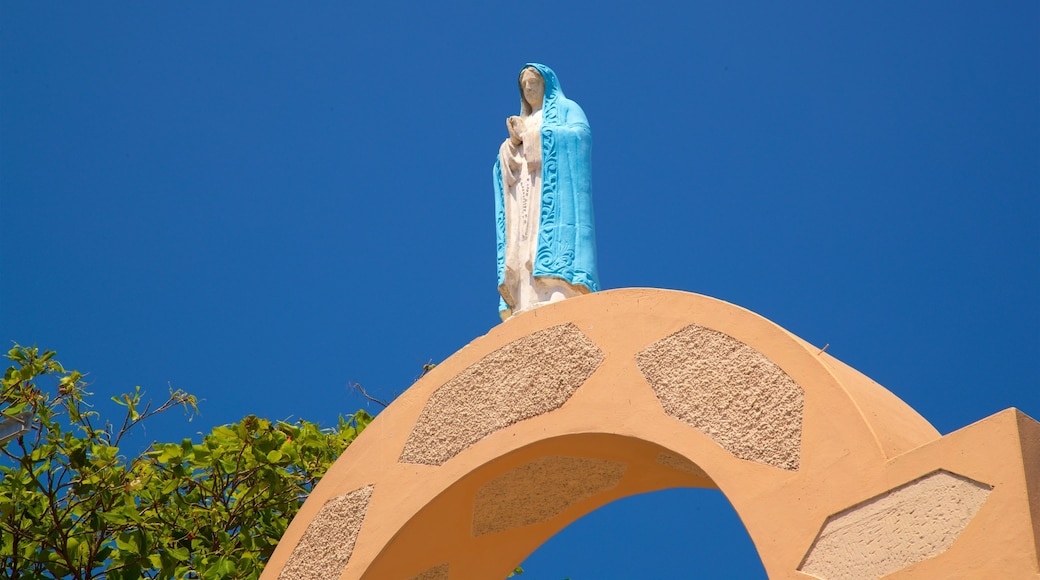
[628,320]
[622,324]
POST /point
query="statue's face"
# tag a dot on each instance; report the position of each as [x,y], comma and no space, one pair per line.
[532,85]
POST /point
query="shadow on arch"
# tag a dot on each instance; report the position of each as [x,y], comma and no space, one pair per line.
[563,409]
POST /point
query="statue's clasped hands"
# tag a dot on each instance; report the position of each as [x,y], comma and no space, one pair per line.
[516,128]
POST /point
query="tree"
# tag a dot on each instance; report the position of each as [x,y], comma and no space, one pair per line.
[71,506]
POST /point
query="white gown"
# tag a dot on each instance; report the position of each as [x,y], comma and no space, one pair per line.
[522,180]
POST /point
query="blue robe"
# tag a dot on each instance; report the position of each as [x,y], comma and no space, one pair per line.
[566,232]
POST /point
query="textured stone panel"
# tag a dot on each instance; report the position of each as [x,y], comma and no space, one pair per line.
[911,523]
[436,573]
[525,378]
[540,490]
[728,391]
[681,464]
[326,546]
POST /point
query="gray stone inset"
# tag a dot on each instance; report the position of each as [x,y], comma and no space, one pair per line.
[728,391]
[525,378]
[901,527]
[540,490]
[681,464]
[439,572]
[327,544]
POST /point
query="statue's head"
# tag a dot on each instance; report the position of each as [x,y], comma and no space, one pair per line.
[532,89]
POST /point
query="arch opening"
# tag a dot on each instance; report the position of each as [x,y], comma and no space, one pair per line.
[492,518]
[652,535]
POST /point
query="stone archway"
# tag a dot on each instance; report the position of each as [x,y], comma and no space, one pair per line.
[561,410]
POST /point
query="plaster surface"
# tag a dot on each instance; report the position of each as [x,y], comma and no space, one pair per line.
[858,463]
[540,490]
[681,464]
[728,391]
[436,573]
[329,540]
[897,529]
[527,377]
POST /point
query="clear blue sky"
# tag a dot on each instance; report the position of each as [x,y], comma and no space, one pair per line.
[262,202]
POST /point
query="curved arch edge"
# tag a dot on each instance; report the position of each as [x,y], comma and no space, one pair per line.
[858,441]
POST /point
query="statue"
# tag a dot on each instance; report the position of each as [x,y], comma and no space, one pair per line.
[543,199]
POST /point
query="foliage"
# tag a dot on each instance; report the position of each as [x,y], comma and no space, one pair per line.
[71,506]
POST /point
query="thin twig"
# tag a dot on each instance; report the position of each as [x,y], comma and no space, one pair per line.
[357,387]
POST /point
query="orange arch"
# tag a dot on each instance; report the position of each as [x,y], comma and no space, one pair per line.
[568,407]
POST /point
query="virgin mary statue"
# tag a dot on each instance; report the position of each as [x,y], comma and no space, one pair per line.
[543,199]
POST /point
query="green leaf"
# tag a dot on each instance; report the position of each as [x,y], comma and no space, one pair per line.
[115,518]
[127,543]
[220,569]
[14,409]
